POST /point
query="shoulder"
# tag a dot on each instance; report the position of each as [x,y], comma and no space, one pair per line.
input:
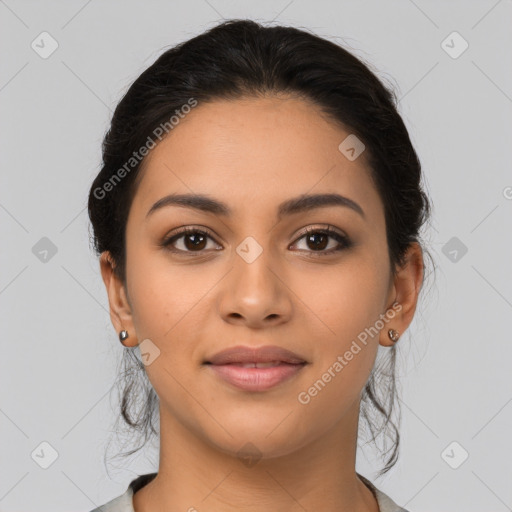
[386,504]
[124,502]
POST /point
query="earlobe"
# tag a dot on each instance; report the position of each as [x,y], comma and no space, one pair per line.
[120,310]
[406,288]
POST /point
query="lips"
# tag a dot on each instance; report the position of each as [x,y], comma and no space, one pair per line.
[255,369]
[262,357]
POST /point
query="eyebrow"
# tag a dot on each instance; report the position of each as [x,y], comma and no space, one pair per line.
[303,203]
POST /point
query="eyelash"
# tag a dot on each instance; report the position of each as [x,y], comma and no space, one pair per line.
[344,241]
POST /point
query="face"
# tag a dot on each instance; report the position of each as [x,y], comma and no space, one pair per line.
[253,275]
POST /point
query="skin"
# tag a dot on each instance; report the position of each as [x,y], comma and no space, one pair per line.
[253,154]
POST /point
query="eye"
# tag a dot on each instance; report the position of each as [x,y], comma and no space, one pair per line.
[317,240]
[194,240]
[189,239]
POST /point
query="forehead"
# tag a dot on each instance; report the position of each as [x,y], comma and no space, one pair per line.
[254,152]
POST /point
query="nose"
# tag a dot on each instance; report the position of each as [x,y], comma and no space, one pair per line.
[255,294]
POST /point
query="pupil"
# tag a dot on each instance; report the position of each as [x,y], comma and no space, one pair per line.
[197,239]
[318,246]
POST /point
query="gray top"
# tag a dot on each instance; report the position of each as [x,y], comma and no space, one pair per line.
[124,503]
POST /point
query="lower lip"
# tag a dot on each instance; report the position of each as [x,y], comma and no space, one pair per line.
[256,379]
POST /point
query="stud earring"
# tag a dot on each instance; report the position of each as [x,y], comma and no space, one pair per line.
[394,335]
[123,335]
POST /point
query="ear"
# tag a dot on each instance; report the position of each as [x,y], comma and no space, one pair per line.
[404,292]
[120,309]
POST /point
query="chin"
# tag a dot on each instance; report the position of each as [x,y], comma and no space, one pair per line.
[264,439]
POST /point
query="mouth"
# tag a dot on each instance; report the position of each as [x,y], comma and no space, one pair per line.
[270,364]
[256,377]
[269,354]
[258,369]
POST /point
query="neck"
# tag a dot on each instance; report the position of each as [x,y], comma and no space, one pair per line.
[194,475]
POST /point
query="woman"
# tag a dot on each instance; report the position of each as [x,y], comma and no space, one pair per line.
[257,218]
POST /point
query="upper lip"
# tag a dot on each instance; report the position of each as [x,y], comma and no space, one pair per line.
[265,354]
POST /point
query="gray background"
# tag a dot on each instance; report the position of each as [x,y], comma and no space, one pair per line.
[59,350]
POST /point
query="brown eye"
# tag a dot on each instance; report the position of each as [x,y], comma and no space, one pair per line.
[189,240]
[318,241]
[193,241]
[324,241]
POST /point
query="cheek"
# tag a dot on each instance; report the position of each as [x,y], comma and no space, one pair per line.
[163,295]
[345,303]
[343,300]
[168,303]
